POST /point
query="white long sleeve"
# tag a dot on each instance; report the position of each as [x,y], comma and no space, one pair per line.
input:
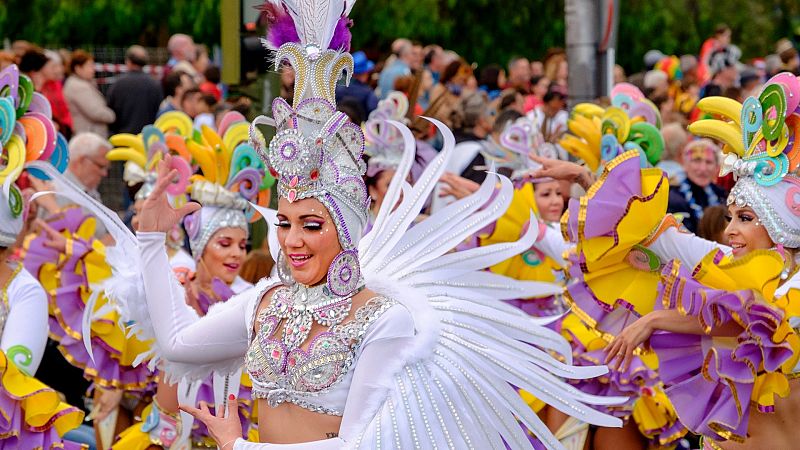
[25,333]
[182,336]
[686,247]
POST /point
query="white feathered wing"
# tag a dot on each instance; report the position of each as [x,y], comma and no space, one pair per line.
[454,388]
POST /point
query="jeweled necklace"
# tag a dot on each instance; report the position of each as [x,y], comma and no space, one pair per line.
[697,210]
[301,306]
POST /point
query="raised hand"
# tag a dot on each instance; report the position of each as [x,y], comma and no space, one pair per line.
[157,214]
[561,170]
[55,239]
[457,186]
[224,428]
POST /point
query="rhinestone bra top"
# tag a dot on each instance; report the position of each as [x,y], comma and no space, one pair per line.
[317,378]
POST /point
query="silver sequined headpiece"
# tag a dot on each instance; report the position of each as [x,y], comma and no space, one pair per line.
[761,137]
[316,152]
[384,142]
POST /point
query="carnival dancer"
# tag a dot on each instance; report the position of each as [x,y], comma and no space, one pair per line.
[724,330]
[33,414]
[611,283]
[384,147]
[385,340]
[231,176]
[73,265]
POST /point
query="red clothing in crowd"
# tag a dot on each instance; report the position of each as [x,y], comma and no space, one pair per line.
[208,87]
[53,91]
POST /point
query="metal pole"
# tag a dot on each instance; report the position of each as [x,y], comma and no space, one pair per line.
[582,39]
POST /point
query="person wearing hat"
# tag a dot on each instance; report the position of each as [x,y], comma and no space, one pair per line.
[359,92]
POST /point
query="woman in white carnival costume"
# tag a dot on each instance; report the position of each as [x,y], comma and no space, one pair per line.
[385,340]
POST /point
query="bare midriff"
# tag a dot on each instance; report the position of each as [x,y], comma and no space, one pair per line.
[290,424]
[774,430]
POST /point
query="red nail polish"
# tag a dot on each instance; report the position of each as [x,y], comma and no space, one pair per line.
[231,397]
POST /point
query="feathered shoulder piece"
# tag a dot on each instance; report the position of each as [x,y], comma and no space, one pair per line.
[632,122]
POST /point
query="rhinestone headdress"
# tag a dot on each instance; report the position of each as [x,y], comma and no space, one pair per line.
[27,133]
[316,152]
[232,176]
[384,143]
[599,134]
[517,142]
[762,147]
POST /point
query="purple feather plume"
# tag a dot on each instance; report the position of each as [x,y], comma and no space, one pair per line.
[341,35]
[281,26]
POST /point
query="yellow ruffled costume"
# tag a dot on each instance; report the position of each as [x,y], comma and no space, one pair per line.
[42,407]
[68,278]
[614,280]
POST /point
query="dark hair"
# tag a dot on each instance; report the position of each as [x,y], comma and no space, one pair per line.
[212,74]
[504,118]
[712,223]
[552,94]
[536,79]
[507,98]
[190,92]
[721,28]
[429,55]
[172,81]
[489,76]
[209,100]
[353,108]
[78,58]
[32,60]
[450,71]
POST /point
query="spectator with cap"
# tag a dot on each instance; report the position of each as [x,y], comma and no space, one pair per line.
[135,95]
[405,59]
[88,107]
[788,55]
[359,90]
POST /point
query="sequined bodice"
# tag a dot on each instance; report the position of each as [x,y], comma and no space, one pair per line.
[282,372]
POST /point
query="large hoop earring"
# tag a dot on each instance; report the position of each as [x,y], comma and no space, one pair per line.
[344,274]
[284,273]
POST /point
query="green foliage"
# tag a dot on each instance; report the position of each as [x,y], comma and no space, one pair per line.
[482,30]
[77,23]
